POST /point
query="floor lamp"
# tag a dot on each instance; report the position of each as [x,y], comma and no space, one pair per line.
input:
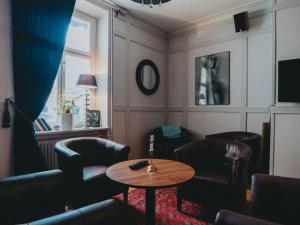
[87,81]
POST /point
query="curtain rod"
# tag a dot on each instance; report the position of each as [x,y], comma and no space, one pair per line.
[113,4]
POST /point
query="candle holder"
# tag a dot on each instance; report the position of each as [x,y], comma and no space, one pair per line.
[151,167]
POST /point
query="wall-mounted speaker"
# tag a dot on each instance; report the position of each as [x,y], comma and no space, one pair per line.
[241,21]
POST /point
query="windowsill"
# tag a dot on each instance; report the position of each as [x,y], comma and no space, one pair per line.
[82,131]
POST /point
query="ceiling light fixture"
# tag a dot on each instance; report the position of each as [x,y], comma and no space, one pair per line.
[151,3]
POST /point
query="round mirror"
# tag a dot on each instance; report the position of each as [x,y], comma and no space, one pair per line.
[147,77]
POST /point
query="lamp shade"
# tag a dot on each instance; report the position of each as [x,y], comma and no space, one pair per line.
[87,80]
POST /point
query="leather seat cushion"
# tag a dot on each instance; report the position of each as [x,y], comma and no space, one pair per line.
[215,176]
[92,172]
[210,189]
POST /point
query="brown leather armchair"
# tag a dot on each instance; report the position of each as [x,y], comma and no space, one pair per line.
[84,162]
[227,217]
[274,199]
[221,173]
[253,140]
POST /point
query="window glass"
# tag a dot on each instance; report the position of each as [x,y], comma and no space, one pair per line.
[74,66]
[75,61]
[49,112]
[79,30]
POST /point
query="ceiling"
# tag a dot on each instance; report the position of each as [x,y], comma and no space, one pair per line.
[178,13]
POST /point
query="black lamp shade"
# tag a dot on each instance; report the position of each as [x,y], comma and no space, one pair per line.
[87,80]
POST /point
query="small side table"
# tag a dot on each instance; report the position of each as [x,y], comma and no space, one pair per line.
[169,174]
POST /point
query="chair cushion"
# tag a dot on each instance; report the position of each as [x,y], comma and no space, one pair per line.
[91,172]
[215,176]
[213,189]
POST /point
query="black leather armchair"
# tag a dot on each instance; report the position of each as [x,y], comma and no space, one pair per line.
[31,197]
[84,162]
[253,140]
[274,199]
[108,212]
[221,173]
[164,146]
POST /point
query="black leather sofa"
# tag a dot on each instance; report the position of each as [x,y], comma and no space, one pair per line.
[275,201]
[108,212]
[39,199]
[31,197]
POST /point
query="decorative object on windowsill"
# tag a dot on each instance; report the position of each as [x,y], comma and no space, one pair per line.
[87,81]
[151,3]
[93,118]
[65,109]
[151,167]
[40,125]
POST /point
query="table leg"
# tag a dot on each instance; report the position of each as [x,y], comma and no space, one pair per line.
[150,206]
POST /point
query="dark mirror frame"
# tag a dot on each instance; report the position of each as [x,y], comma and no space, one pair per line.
[138,76]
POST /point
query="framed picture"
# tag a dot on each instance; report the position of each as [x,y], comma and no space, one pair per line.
[212,79]
[93,118]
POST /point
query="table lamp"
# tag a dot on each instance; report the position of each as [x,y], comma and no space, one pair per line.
[87,81]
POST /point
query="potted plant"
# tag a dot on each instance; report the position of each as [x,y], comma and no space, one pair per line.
[65,110]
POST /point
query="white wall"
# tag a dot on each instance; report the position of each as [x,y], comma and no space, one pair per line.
[5,82]
[133,112]
[250,76]
[286,117]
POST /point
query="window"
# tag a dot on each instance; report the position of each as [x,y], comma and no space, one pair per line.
[78,58]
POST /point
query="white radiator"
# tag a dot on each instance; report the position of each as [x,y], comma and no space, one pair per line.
[47,140]
[47,149]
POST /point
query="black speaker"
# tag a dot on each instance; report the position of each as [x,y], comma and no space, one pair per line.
[241,21]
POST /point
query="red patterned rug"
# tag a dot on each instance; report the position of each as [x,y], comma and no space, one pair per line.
[166,211]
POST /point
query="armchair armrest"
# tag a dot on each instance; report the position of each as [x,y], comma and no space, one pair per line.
[105,212]
[227,217]
[238,155]
[116,151]
[70,163]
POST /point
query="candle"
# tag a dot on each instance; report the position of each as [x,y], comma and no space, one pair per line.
[151,138]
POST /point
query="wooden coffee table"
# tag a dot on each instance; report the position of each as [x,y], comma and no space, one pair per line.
[169,174]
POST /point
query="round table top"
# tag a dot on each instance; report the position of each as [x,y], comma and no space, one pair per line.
[169,173]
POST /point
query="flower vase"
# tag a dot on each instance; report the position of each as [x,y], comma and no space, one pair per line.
[66,121]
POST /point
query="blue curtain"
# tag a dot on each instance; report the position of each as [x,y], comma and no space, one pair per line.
[39,30]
